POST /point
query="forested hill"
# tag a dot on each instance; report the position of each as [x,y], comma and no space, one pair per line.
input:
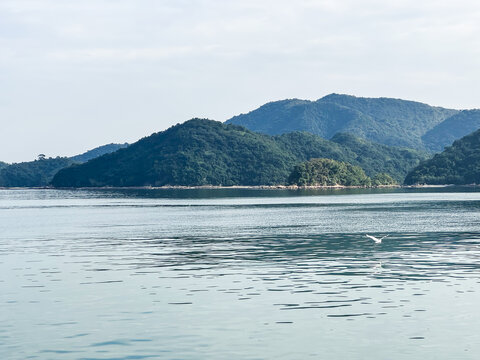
[206,152]
[32,173]
[382,120]
[3,165]
[453,128]
[377,158]
[459,164]
[40,172]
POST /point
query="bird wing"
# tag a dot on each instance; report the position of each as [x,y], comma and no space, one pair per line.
[372,237]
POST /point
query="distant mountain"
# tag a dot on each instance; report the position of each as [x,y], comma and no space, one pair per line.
[40,172]
[387,121]
[458,164]
[98,151]
[3,165]
[206,152]
[453,128]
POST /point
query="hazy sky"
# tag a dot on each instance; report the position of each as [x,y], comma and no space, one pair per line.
[75,74]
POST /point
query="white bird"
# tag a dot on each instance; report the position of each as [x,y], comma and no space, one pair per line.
[377,240]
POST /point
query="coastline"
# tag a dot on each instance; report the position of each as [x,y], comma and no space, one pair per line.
[244,187]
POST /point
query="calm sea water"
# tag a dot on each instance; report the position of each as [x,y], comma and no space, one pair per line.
[239,274]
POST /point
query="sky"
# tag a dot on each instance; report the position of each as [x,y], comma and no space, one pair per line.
[78,74]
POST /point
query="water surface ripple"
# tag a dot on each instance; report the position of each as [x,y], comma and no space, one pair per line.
[216,274]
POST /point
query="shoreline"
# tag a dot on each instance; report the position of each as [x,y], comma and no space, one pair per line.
[240,187]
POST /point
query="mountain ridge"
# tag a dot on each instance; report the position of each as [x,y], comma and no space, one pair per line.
[453,128]
[394,122]
[206,152]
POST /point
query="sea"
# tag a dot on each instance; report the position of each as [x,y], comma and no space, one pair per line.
[240,274]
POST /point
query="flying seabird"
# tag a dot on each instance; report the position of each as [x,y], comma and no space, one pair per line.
[377,240]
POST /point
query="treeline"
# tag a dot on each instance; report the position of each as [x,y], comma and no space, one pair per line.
[32,173]
[459,164]
[40,172]
[206,152]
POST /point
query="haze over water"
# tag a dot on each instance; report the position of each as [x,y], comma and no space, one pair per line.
[239,274]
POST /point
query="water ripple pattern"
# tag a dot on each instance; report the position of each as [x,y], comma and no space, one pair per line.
[239,274]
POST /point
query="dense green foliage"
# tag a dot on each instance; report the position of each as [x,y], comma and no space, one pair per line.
[205,152]
[327,172]
[3,165]
[198,152]
[453,128]
[371,157]
[376,158]
[32,173]
[383,179]
[382,120]
[458,164]
[40,172]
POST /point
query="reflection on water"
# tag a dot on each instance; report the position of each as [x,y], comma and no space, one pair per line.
[239,274]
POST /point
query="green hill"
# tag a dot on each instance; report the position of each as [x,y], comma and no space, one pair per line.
[327,172]
[3,165]
[458,164]
[373,158]
[451,129]
[40,172]
[206,152]
[198,152]
[32,173]
[387,121]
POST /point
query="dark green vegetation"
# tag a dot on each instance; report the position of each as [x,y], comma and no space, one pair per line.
[40,172]
[33,173]
[3,165]
[383,179]
[327,172]
[377,158]
[451,129]
[205,152]
[387,121]
[459,164]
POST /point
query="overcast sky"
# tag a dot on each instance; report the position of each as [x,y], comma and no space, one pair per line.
[78,74]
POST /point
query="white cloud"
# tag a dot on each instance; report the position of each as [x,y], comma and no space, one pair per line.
[144,65]
[116,55]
